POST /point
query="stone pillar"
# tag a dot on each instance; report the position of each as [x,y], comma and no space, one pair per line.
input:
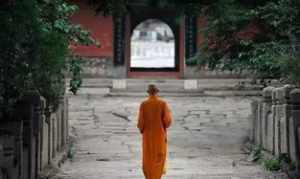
[49,137]
[295,116]
[66,119]
[267,121]
[38,110]
[11,147]
[30,109]
[45,141]
[281,108]
[254,121]
[257,125]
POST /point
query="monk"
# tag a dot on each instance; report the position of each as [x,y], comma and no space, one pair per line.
[153,121]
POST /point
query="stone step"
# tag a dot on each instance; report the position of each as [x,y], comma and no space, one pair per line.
[94,83]
[191,176]
[216,93]
[88,93]
[169,87]
[169,83]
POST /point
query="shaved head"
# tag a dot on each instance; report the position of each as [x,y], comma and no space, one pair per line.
[152,89]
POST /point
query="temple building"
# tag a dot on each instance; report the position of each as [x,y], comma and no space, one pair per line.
[147,42]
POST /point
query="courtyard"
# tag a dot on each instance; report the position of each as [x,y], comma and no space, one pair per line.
[206,140]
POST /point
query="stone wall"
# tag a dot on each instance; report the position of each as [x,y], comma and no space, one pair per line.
[195,71]
[102,68]
[276,123]
[33,138]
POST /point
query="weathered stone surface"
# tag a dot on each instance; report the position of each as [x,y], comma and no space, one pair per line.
[283,119]
[267,92]
[266,113]
[295,95]
[295,116]
[119,84]
[258,126]
[190,84]
[269,133]
[205,139]
[292,140]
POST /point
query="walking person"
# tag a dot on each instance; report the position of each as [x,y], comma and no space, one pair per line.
[153,120]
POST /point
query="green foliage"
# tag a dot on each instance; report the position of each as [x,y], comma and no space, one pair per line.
[227,16]
[71,151]
[272,164]
[19,46]
[34,41]
[55,15]
[281,17]
[257,153]
[291,68]
[266,53]
[75,71]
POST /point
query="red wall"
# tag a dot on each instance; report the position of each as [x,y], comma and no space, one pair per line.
[101,29]
[201,24]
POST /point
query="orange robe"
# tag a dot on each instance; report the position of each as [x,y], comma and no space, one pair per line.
[154,118]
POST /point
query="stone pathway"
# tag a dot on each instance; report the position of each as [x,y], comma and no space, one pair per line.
[205,140]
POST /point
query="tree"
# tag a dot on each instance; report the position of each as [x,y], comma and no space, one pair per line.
[259,36]
[34,41]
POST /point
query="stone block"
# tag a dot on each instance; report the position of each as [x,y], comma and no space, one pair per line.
[258,134]
[295,95]
[190,84]
[267,92]
[119,84]
[292,145]
[54,134]
[264,125]
[45,144]
[279,95]
[58,129]
[91,91]
[277,131]
[253,119]
[284,128]
[295,118]
[269,132]
[267,122]
[7,152]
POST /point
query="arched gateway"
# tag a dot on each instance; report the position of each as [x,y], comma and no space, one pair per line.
[183,29]
[152,47]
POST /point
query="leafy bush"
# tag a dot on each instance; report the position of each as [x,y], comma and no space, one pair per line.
[257,153]
[34,41]
[272,164]
[75,70]
[261,37]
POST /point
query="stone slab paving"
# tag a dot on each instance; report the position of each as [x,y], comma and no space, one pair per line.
[205,140]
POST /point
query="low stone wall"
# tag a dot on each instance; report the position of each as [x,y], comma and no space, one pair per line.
[276,124]
[198,72]
[102,68]
[32,139]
